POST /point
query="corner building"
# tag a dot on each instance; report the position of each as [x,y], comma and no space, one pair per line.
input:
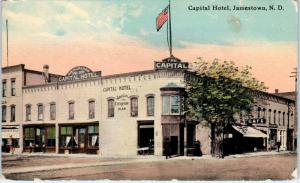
[118,115]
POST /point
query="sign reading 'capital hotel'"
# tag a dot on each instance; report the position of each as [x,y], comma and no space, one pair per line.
[123,114]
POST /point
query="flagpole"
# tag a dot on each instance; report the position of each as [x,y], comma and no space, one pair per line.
[170,29]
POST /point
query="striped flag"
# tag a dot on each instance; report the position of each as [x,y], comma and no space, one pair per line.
[162,18]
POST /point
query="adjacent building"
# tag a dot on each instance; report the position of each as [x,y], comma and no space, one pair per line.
[124,114]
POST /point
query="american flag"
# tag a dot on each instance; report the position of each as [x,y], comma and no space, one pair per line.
[162,18]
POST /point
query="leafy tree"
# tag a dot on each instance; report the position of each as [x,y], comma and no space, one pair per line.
[217,93]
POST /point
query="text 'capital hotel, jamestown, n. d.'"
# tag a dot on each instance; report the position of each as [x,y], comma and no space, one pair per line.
[126,114]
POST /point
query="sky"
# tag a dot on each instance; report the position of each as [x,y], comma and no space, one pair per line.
[118,36]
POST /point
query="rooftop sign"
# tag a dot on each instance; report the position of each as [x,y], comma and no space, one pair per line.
[79,73]
[170,64]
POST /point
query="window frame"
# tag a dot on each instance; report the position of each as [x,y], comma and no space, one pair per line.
[134,109]
[149,113]
[12,115]
[5,113]
[13,86]
[71,114]
[52,118]
[4,89]
[169,105]
[110,108]
[40,114]
[91,114]
[28,115]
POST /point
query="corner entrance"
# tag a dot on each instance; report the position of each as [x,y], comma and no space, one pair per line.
[145,138]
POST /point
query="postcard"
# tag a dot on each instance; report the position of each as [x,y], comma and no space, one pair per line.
[201,90]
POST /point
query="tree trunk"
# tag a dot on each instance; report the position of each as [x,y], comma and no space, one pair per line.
[217,141]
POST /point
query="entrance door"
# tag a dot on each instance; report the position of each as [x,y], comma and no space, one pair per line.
[174,145]
[81,139]
[146,138]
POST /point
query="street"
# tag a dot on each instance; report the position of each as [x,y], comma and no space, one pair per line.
[275,167]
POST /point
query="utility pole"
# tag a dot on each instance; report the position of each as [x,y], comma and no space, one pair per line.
[295,75]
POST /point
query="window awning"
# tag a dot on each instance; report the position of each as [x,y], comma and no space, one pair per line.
[248,131]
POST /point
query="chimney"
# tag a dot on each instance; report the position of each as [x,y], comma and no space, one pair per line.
[276,91]
[46,73]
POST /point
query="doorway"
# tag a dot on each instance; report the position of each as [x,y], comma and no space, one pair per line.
[146,137]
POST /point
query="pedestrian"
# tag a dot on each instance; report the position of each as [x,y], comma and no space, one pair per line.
[167,149]
[30,147]
[278,145]
[44,148]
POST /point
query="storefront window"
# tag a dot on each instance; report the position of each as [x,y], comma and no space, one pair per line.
[13,87]
[4,88]
[91,109]
[134,107]
[93,136]
[150,106]
[52,111]
[40,112]
[111,108]
[4,113]
[51,136]
[65,136]
[12,113]
[71,110]
[28,112]
[29,136]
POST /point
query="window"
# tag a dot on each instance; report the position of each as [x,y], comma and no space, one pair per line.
[29,136]
[270,114]
[166,104]
[4,88]
[279,115]
[71,110]
[28,112]
[134,107]
[51,137]
[13,113]
[175,104]
[93,136]
[274,116]
[52,111]
[4,113]
[150,106]
[171,104]
[111,108]
[40,112]
[91,109]
[264,115]
[258,112]
[13,87]
[66,136]
[283,118]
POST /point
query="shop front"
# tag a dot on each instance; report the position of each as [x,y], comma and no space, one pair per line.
[79,138]
[10,138]
[39,138]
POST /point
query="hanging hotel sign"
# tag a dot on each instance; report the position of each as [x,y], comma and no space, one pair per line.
[79,73]
[170,64]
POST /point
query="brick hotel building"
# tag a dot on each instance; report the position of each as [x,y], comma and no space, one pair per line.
[125,114]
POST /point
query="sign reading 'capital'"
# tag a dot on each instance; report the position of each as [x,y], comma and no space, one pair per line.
[171,65]
[79,73]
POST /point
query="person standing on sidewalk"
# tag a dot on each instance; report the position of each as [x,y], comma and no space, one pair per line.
[278,145]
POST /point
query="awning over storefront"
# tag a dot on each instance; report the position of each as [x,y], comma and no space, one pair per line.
[248,131]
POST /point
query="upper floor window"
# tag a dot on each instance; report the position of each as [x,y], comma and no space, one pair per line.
[279,115]
[71,110]
[171,104]
[150,106]
[40,112]
[258,112]
[4,88]
[91,109]
[52,111]
[111,108]
[4,113]
[13,87]
[283,118]
[134,107]
[28,112]
[274,116]
[270,114]
[12,113]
